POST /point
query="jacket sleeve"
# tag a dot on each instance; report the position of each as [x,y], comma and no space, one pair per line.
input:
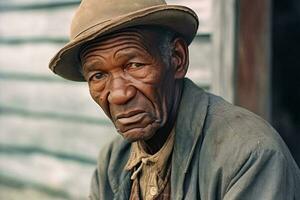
[100,187]
[265,175]
[94,189]
[110,174]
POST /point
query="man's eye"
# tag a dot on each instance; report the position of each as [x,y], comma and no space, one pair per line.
[135,65]
[97,76]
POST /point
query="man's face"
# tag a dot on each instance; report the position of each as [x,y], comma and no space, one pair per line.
[129,80]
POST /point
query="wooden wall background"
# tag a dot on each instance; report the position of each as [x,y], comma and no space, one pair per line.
[50,129]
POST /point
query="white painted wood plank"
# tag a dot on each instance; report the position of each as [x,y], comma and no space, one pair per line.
[201,59]
[48,172]
[54,136]
[27,58]
[224,42]
[24,2]
[36,23]
[203,9]
[73,98]
[15,193]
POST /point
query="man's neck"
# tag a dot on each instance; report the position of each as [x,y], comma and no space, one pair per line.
[155,143]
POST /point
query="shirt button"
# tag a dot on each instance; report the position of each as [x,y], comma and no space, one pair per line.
[153,191]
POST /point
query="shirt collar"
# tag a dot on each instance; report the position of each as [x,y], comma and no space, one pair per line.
[160,159]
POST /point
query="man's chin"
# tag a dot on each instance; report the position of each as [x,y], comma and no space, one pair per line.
[136,134]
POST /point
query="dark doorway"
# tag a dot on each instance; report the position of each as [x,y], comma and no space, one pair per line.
[285,81]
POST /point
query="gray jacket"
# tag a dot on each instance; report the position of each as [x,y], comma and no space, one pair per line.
[221,152]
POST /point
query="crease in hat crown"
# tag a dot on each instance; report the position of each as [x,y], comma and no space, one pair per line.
[104,11]
[94,18]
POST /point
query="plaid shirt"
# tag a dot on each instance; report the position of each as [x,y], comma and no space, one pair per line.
[151,173]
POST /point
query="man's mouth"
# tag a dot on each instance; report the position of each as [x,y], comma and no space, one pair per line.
[129,114]
[133,119]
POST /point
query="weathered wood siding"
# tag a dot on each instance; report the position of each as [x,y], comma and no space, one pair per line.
[50,129]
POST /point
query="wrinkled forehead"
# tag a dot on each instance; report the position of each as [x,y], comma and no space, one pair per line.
[145,38]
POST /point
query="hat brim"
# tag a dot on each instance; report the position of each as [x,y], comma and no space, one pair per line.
[66,62]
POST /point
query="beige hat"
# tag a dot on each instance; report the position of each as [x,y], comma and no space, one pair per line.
[95,18]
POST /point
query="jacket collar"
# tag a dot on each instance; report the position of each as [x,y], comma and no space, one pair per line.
[189,123]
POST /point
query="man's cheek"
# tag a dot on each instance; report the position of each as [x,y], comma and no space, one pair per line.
[95,96]
[153,77]
[149,91]
[105,108]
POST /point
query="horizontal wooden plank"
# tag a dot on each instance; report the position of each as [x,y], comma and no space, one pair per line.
[19,76]
[67,99]
[20,5]
[33,40]
[34,2]
[203,8]
[73,141]
[26,191]
[47,175]
[6,110]
[27,58]
[38,23]
[27,150]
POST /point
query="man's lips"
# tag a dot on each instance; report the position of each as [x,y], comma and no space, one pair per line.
[128,114]
[132,119]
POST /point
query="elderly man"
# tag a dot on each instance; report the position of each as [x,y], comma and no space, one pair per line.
[178,142]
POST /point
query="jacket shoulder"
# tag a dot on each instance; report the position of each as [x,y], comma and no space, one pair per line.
[228,123]
[237,145]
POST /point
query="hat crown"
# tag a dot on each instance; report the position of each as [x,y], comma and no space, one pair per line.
[93,12]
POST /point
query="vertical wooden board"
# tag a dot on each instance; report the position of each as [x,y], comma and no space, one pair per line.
[253,67]
[203,9]
[201,61]
[224,45]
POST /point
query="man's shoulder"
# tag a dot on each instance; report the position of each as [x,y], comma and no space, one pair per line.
[239,147]
[233,135]
[229,122]
[225,123]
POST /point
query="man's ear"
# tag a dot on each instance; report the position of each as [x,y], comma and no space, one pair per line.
[180,57]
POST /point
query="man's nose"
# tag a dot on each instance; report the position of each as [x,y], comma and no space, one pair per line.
[120,92]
